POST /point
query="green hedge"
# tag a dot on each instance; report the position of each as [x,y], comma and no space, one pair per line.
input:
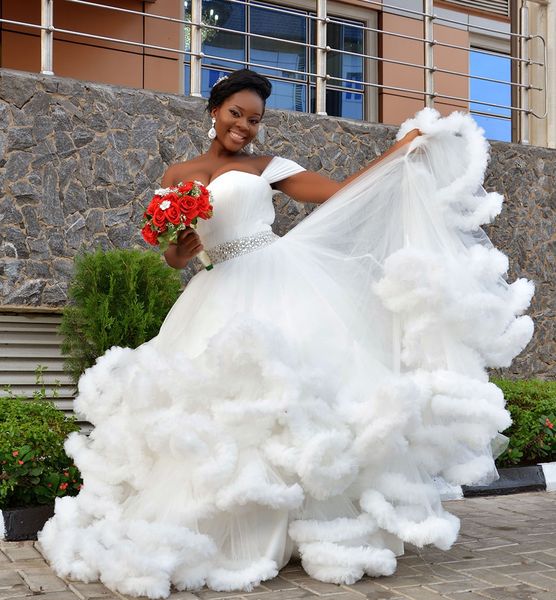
[119,298]
[532,404]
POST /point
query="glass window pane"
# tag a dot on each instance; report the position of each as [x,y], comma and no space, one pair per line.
[350,39]
[288,96]
[208,78]
[349,105]
[277,53]
[496,67]
[222,43]
[495,129]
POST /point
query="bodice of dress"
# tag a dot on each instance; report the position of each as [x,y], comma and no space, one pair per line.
[243,203]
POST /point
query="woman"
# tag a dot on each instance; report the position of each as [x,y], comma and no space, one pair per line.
[302,395]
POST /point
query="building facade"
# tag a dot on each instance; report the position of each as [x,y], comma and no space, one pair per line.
[370,60]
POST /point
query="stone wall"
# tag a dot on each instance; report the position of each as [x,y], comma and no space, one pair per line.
[79,161]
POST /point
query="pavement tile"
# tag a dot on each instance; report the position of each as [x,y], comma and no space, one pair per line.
[344,594]
[465,585]
[525,566]
[42,580]
[278,583]
[542,596]
[3,558]
[66,596]
[9,578]
[18,591]
[17,551]
[464,596]
[420,593]
[394,582]
[518,592]
[319,587]
[543,557]
[205,594]
[383,595]
[442,571]
[491,576]
[90,590]
[368,586]
[286,595]
[539,580]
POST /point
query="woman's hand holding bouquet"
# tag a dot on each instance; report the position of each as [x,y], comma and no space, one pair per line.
[172,215]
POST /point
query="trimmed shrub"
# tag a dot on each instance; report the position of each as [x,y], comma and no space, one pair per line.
[532,404]
[119,298]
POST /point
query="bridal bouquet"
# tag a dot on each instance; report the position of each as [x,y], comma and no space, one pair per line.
[173,209]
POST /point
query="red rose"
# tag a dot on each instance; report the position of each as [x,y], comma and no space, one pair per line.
[185,187]
[188,206]
[153,205]
[150,236]
[173,214]
[172,196]
[159,218]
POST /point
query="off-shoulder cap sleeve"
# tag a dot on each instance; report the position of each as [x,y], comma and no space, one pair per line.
[281,168]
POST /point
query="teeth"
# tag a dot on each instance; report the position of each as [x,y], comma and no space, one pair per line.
[237,136]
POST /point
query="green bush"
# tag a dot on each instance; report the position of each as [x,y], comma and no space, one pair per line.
[532,404]
[34,468]
[119,298]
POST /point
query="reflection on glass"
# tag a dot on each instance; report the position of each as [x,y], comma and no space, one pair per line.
[497,67]
[344,104]
[223,43]
[288,96]
[495,129]
[274,53]
[208,78]
[345,66]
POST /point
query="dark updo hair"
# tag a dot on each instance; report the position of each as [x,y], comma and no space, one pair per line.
[243,79]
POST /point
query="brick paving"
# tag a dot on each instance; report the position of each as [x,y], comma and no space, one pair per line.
[506,551]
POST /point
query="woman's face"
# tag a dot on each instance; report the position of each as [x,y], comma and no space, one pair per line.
[237,119]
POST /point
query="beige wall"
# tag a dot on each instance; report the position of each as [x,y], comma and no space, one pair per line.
[98,60]
[396,106]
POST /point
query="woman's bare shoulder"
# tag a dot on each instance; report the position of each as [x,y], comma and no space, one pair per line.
[261,162]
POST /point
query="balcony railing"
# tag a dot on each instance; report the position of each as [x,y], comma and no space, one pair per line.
[520,107]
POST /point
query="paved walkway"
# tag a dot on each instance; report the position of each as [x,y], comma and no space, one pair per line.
[506,551]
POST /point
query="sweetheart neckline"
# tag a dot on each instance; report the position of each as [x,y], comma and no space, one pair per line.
[246,172]
[260,176]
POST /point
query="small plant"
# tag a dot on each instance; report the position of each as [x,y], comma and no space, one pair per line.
[34,468]
[532,405]
[120,298]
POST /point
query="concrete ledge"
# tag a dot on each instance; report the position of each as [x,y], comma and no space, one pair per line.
[513,480]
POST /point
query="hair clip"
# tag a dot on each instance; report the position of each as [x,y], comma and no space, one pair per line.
[220,79]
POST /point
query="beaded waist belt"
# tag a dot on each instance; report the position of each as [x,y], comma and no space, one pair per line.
[240,246]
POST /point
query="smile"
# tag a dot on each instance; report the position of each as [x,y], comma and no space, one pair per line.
[238,137]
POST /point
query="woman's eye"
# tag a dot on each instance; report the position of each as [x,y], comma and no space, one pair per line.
[235,113]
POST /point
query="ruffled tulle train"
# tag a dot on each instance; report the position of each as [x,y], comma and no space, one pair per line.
[302,397]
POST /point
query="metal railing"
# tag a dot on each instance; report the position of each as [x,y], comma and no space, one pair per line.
[319,77]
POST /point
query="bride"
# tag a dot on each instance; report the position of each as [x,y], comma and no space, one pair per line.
[302,395]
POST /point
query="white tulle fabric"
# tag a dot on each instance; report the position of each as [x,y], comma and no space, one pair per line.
[302,397]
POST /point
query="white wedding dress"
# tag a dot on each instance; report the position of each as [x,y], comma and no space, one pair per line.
[302,395]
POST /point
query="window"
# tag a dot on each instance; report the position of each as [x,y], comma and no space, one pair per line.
[285,62]
[497,122]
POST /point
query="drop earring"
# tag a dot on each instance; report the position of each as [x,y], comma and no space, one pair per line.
[250,148]
[212,131]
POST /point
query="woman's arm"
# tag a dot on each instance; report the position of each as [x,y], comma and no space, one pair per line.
[315,188]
